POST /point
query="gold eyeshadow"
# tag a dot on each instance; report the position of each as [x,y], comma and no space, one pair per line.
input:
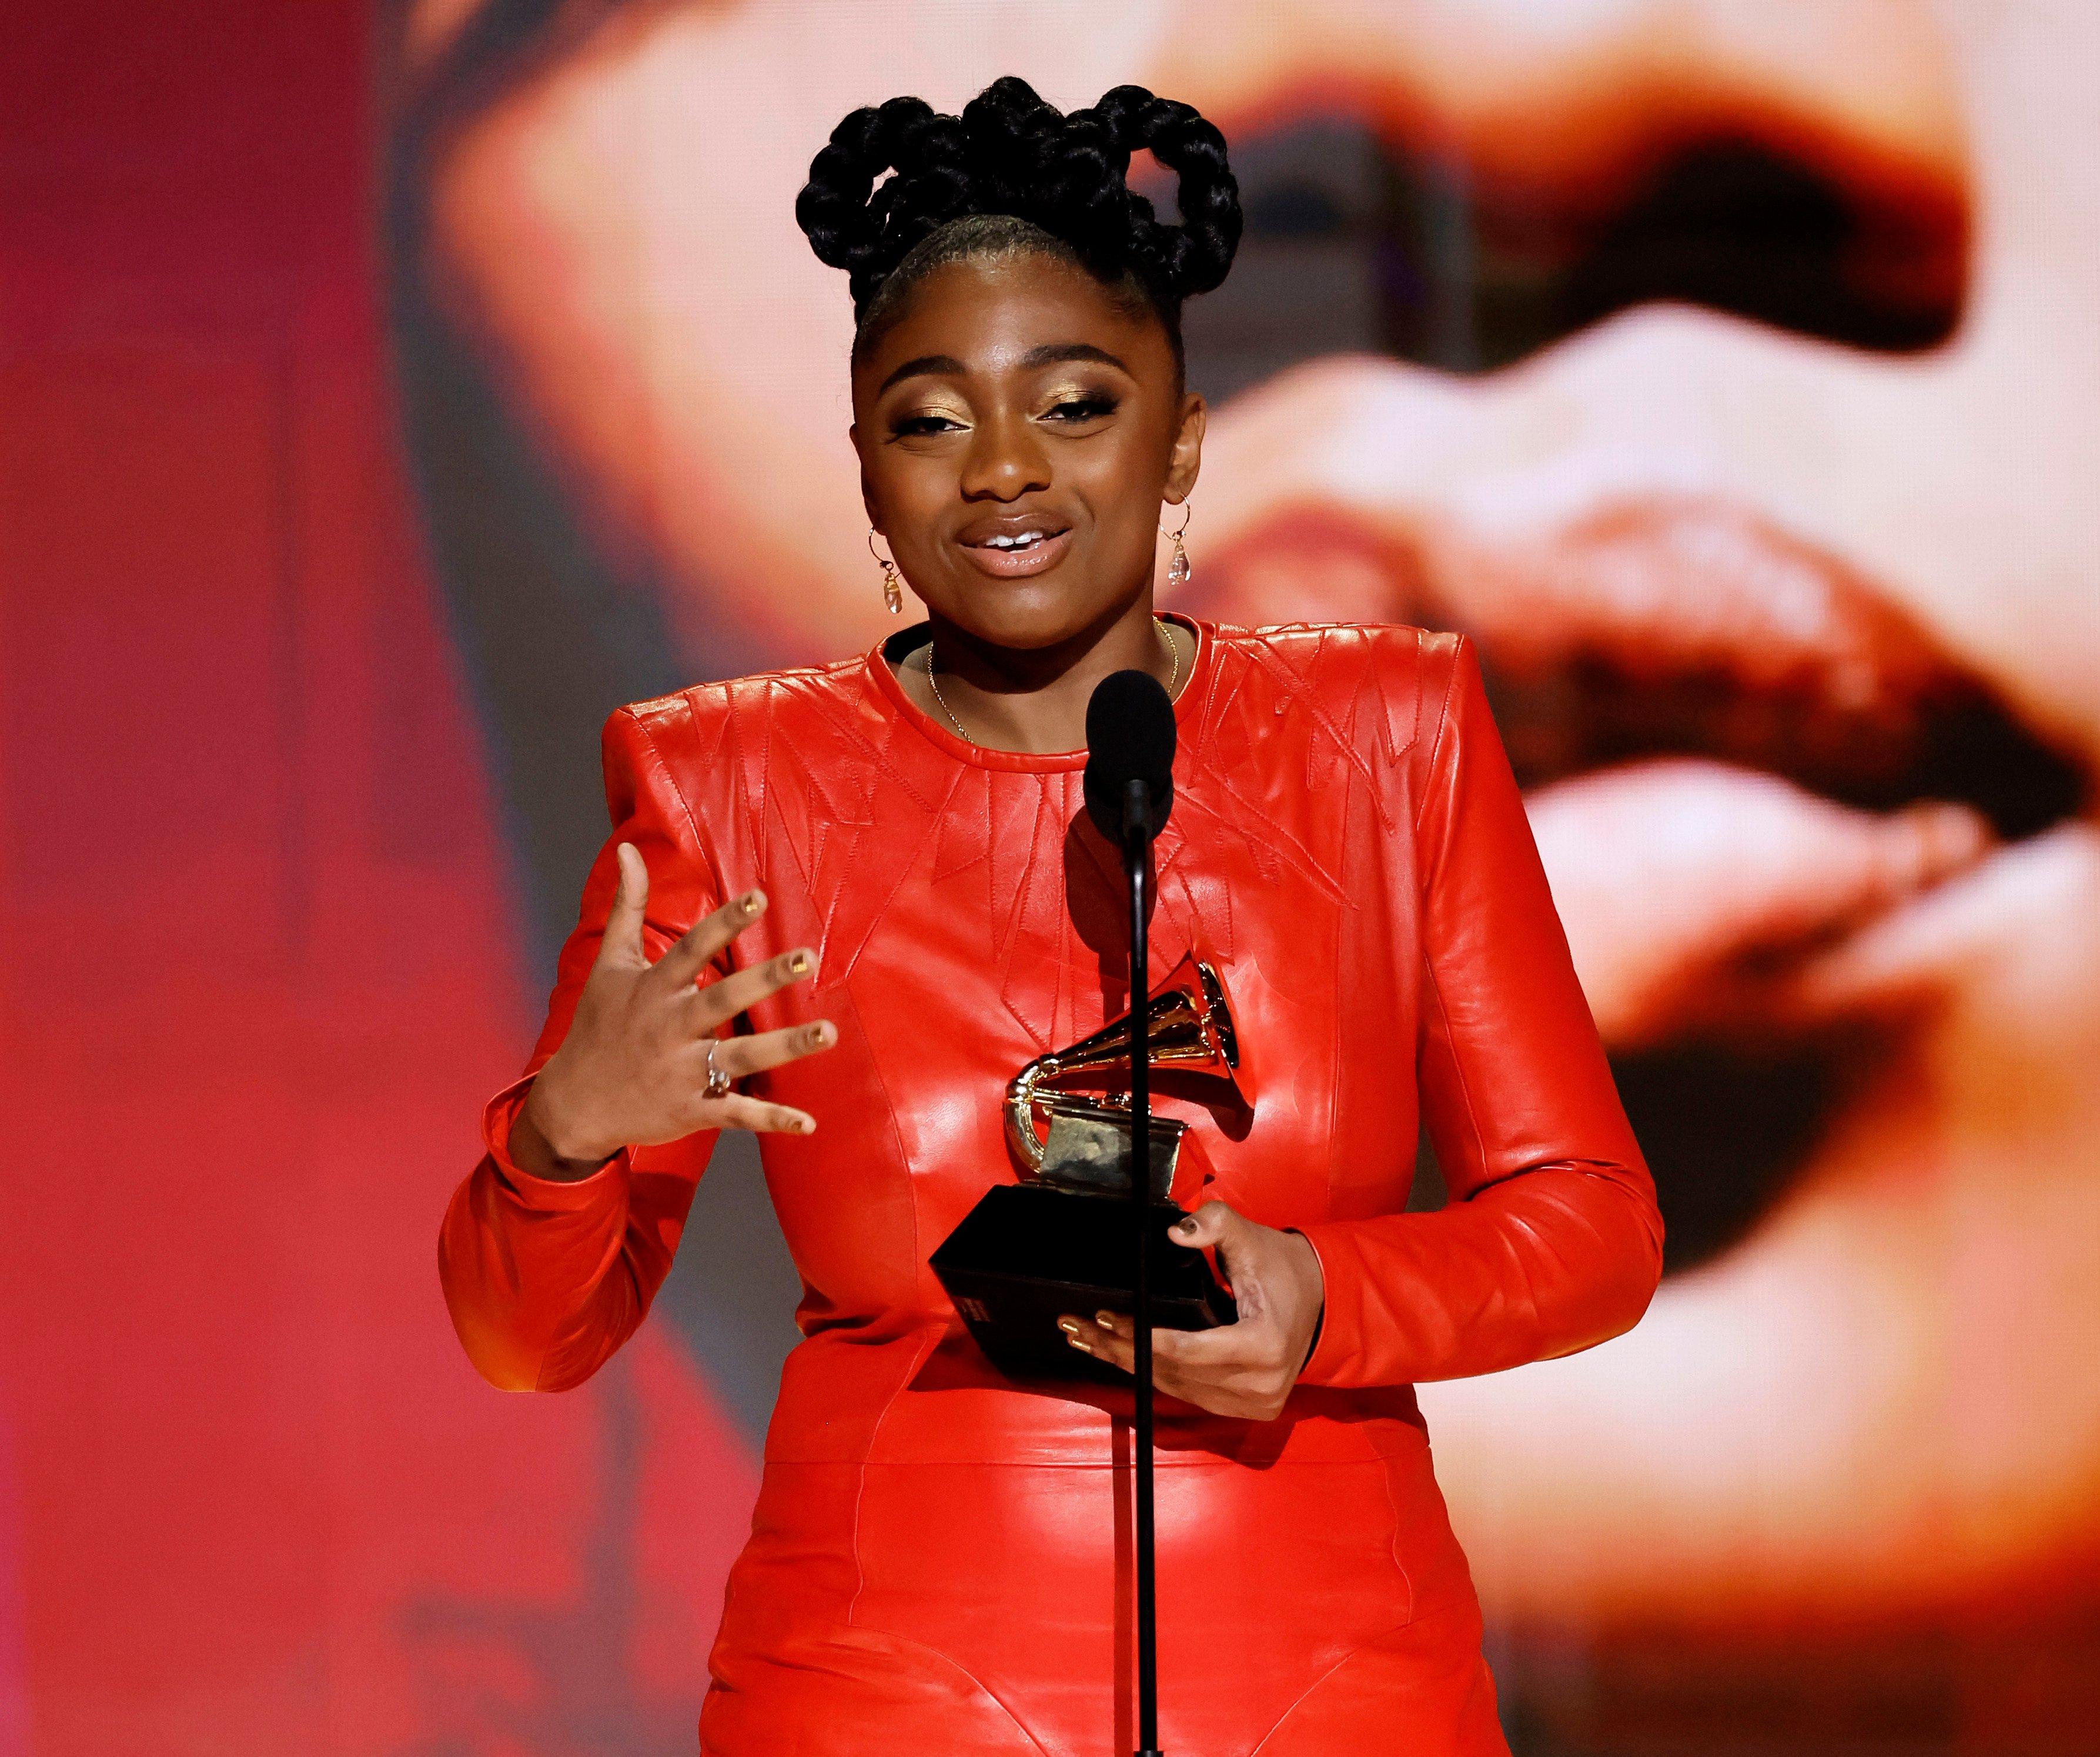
[1100,399]
[1108,401]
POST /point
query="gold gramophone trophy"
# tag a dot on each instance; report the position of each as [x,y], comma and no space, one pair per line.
[1061,1238]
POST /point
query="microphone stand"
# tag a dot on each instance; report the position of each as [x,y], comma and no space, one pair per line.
[1136,845]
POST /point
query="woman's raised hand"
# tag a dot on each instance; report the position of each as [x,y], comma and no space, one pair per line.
[633,1071]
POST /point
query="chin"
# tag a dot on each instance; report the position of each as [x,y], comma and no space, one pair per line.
[1026,614]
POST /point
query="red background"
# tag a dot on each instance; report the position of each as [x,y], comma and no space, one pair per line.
[258,967]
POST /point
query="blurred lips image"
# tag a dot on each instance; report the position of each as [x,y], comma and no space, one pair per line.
[1787,610]
[1845,760]
[1829,875]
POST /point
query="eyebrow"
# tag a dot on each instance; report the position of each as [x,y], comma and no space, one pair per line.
[1049,353]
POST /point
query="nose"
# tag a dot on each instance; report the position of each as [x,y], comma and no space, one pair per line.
[1006,460]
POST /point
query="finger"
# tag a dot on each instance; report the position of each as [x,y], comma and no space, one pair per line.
[1245,1346]
[1220,1395]
[1224,1348]
[1211,1222]
[739,1111]
[739,1056]
[621,942]
[696,948]
[745,988]
[1089,1337]
[1232,1241]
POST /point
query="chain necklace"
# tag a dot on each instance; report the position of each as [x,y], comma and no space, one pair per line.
[1159,626]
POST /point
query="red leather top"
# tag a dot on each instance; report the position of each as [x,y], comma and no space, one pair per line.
[1347,845]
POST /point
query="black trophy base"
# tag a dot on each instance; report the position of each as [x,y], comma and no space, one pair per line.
[1028,1253]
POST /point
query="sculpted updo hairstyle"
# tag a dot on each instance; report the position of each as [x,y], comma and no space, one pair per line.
[1011,173]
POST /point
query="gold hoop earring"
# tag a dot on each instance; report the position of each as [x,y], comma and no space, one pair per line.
[893,593]
[1177,570]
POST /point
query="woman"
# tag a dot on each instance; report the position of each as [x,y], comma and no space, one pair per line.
[886,861]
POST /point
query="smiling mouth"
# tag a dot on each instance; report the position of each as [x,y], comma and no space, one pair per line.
[1016,554]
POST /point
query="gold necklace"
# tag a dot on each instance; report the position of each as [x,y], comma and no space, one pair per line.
[1159,626]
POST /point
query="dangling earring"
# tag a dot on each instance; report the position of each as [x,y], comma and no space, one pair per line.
[893,593]
[1177,570]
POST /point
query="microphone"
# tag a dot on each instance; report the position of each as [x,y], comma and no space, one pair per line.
[1130,790]
[1130,757]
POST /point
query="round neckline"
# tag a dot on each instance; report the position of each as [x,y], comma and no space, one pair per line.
[886,684]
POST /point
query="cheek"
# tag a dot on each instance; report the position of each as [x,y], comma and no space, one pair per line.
[912,491]
[1122,485]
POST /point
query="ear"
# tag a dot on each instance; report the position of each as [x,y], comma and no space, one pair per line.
[1186,456]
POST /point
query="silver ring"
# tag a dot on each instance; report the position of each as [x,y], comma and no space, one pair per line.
[719,1083]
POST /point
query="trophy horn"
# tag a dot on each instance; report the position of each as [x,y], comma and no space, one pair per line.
[1190,1030]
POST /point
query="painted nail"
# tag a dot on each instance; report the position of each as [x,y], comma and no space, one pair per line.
[750,900]
[1077,1341]
[798,964]
[818,1035]
[1106,1320]
[1069,1326]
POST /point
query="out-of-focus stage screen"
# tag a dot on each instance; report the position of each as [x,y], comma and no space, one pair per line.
[391,392]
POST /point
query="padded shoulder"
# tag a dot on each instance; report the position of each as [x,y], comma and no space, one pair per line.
[1381,685]
[696,718]
[722,741]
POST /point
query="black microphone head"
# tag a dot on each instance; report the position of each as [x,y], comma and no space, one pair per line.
[1130,737]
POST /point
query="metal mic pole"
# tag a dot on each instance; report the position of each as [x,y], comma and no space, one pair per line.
[1136,842]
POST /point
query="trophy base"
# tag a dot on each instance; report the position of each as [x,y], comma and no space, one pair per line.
[1027,1254]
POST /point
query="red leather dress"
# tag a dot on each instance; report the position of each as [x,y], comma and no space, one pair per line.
[940,1558]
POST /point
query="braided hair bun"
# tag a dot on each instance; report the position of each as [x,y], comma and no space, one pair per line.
[1057,178]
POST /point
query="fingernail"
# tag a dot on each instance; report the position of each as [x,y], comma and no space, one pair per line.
[1184,1225]
[798,964]
[750,901]
[1106,1320]
[819,1034]
[1069,1326]
[1077,1341]
[806,1126]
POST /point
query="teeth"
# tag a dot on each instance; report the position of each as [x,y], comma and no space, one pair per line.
[1021,541]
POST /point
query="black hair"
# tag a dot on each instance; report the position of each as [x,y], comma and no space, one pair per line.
[1013,172]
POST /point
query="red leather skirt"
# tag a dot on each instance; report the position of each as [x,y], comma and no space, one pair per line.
[1304,1610]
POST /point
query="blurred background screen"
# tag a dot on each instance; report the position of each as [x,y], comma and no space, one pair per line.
[391,391]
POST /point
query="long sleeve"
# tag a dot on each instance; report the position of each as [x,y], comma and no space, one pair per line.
[1550,1240]
[544,1279]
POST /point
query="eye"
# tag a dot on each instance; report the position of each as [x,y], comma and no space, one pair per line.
[910,426]
[1089,407]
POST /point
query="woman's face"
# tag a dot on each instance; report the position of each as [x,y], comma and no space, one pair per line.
[1016,432]
[1876,1401]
